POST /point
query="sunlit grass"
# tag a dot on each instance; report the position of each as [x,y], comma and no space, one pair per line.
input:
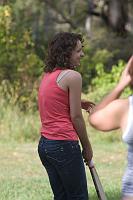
[22,176]
[17,125]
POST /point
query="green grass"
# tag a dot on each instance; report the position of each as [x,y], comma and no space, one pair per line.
[18,125]
[22,176]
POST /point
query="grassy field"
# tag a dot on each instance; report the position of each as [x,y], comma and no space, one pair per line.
[22,176]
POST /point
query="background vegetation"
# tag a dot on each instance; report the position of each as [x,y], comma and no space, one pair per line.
[26,27]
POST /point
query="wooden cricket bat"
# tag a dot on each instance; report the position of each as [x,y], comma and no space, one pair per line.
[97,183]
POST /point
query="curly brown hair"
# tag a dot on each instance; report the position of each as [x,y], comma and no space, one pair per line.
[60,50]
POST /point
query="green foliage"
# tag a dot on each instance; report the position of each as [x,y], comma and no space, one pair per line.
[117,47]
[18,57]
[20,67]
[24,32]
[105,49]
[88,63]
[105,81]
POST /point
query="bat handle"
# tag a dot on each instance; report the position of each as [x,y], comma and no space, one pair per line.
[91,164]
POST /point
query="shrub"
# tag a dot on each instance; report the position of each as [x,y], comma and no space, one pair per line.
[105,81]
[20,67]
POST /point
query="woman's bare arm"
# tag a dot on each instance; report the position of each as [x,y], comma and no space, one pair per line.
[74,82]
[111,116]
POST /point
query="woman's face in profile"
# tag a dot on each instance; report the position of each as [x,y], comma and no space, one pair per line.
[77,54]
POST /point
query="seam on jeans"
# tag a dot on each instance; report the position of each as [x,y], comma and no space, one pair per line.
[56,159]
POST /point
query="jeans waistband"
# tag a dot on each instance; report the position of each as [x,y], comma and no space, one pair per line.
[61,141]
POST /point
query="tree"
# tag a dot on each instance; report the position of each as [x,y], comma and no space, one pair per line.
[20,67]
[113,12]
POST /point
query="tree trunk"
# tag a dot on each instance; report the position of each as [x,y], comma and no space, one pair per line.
[118,15]
[3,2]
[90,13]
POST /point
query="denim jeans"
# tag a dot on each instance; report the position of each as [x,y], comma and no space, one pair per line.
[65,167]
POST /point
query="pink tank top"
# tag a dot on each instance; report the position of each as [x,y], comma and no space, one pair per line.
[54,110]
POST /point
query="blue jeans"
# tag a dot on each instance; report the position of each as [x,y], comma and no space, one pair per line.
[65,167]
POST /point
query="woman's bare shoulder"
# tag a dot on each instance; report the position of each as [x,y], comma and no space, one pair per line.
[74,77]
[74,74]
[119,103]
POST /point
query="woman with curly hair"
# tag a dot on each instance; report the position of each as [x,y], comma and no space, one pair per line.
[62,123]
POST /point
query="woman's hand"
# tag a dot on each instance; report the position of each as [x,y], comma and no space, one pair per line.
[87,154]
[127,75]
[87,105]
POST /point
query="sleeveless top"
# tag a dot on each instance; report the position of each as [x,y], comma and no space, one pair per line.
[128,133]
[127,180]
[54,109]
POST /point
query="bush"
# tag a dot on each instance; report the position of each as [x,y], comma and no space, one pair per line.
[20,67]
[105,81]
[88,63]
[106,49]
